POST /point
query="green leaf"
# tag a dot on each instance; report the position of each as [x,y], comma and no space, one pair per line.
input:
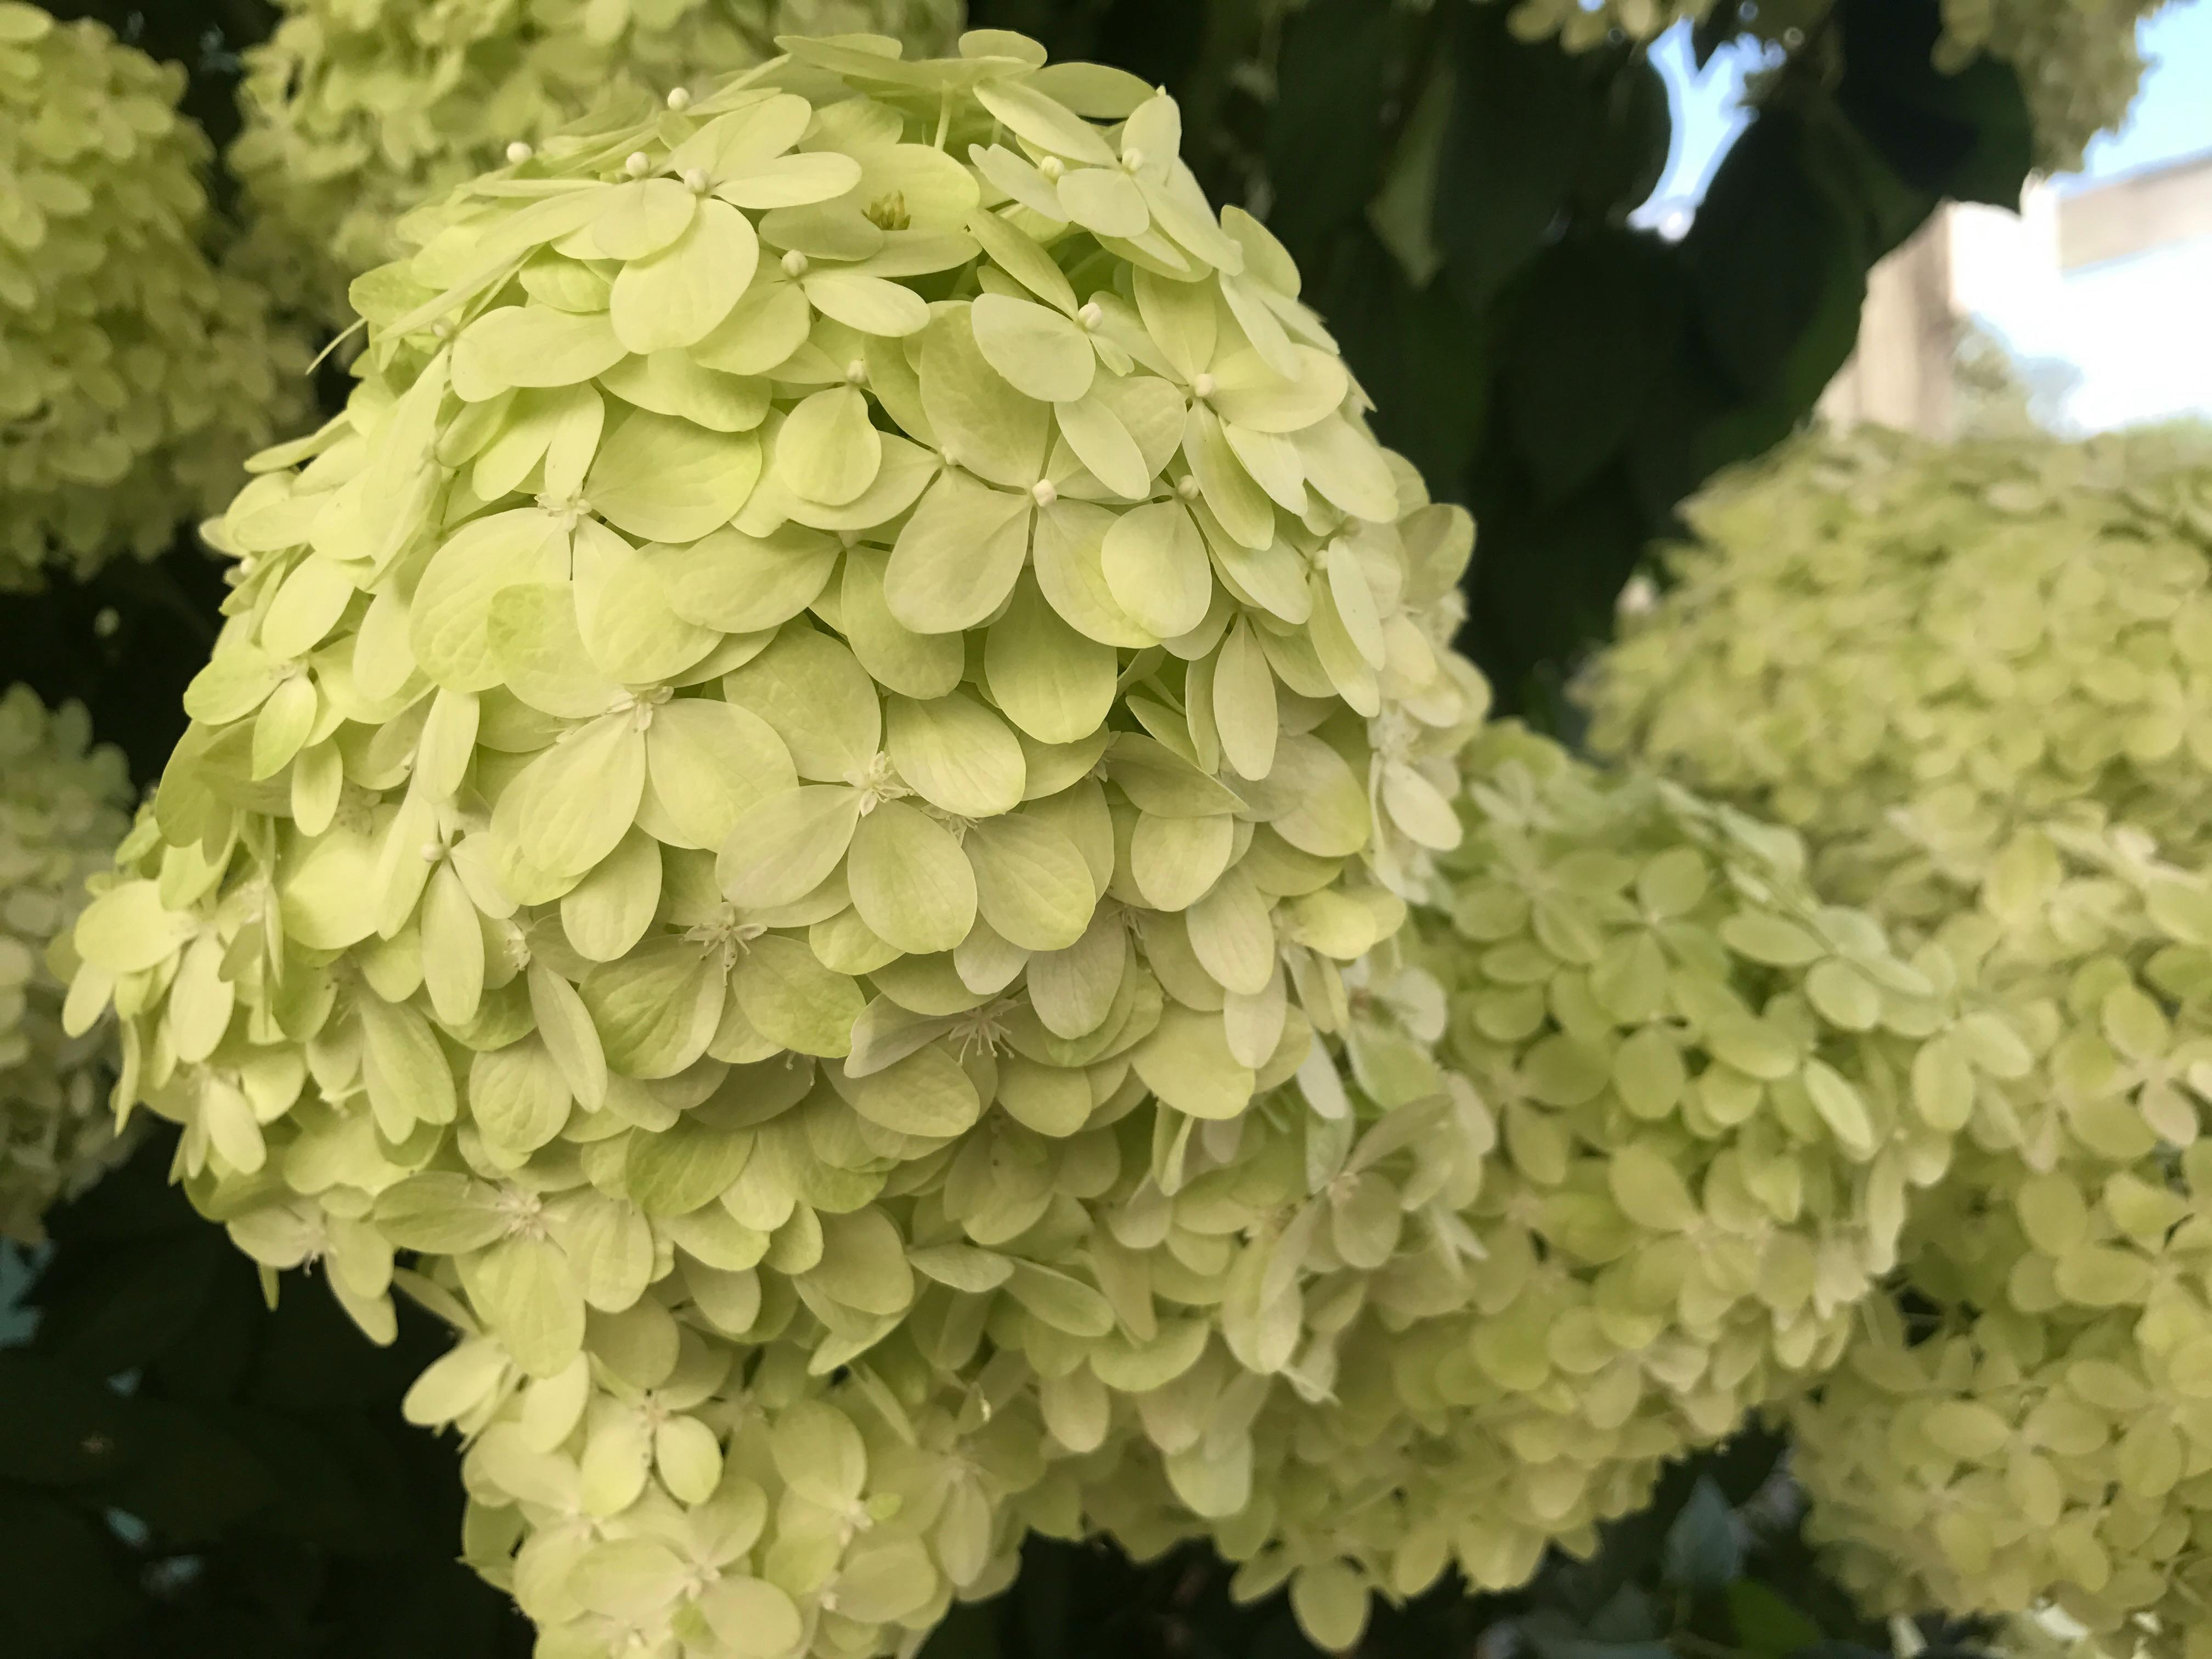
[1324,130]
[1767,1625]
[64,1429]
[1508,152]
[1595,325]
[1964,132]
[1704,1551]
[1770,252]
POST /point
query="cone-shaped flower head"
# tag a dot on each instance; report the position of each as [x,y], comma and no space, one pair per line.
[2023,631]
[2030,1424]
[64,806]
[137,377]
[792,797]
[358,111]
[1971,635]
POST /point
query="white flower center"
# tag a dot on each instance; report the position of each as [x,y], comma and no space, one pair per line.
[983,1028]
[641,705]
[1043,492]
[518,153]
[523,1213]
[568,509]
[794,264]
[727,935]
[638,164]
[878,782]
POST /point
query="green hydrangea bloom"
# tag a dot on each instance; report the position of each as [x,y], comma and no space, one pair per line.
[1909,650]
[2078,64]
[357,111]
[2032,1424]
[1693,1081]
[64,806]
[2023,1424]
[792,797]
[136,377]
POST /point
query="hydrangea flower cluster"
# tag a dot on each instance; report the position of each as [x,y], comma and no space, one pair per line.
[1909,650]
[2021,1425]
[2077,63]
[358,111]
[1709,1113]
[137,376]
[2033,1423]
[792,797]
[64,806]
[1689,1109]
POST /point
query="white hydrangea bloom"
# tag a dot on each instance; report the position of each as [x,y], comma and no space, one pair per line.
[792,799]
[135,376]
[64,806]
[357,111]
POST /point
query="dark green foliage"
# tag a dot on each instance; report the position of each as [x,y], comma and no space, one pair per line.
[186,1472]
